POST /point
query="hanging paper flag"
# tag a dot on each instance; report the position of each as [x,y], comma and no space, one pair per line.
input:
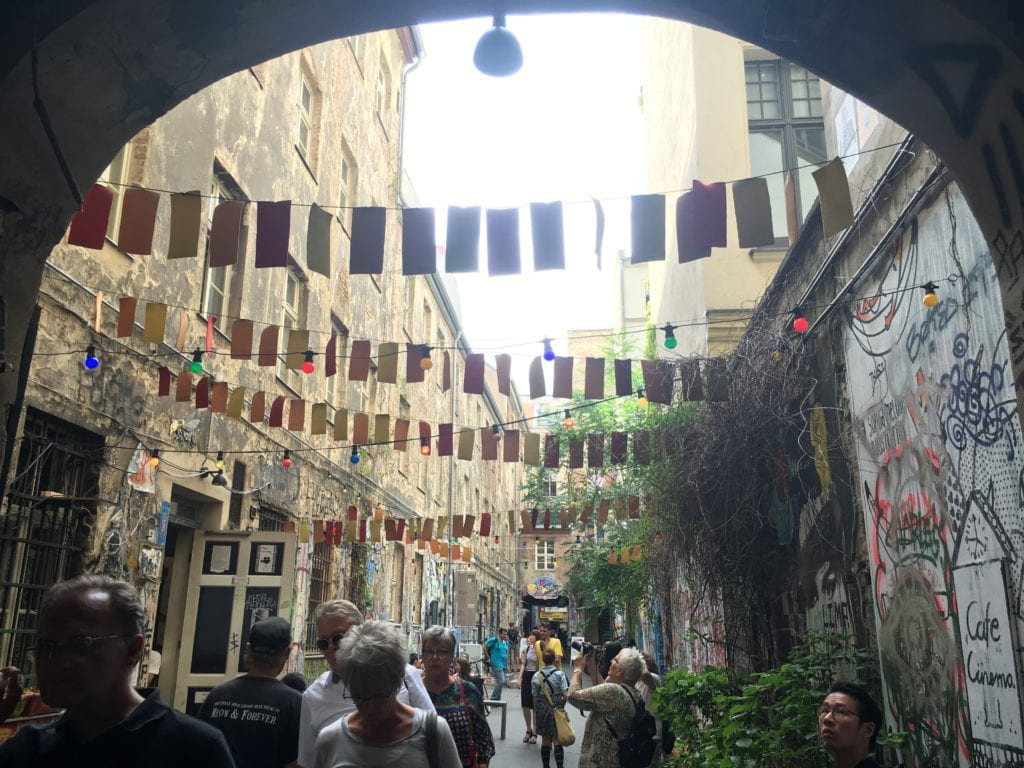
[485,524]
[352,513]
[89,225]
[435,547]
[719,381]
[339,533]
[586,512]
[401,442]
[562,385]
[688,247]
[382,429]
[378,514]
[468,523]
[277,412]
[219,396]
[241,340]
[387,362]
[288,526]
[155,323]
[164,386]
[210,322]
[792,214]
[708,226]
[126,316]
[576,454]
[467,554]
[551,457]
[536,376]
[636,553]
[593,379]
[602,511]
[462,244]
[442,526]
[510,446]
[647,220]
[298,343]
[534,513]
[503,365]
[297,415]
[511,521]
[624,556]
[318,240]
[633,507]
[341,425]
[642,448]
[267,356]
[834,197]
[257,408]
[351,530]
[331,356]
[318,419]
[658,379]
[375,526]
[98,314]
[359,361]
[424,432]
[527,522]
[304,533]
[414,372]
[367,249]
[503,241]
[456,550]
[419,249]
[446,372]
[183,325]
[531,448]
[752,208]
[138,219]
[236,402]
[466,444]
[570,516]
[619,447]
[183,389]
[225,233]
[445,441]
[329,528]
[547,519]
[689,376]
[318,531]
[620,508]
[473,380]
[443,549]
[613,558]
[623,377]
[427,529]
[273,227]
[390,530]
[488,444]
[361,428]
[362,530]
[595,450]
[598,229]
[548,236]
[457,523]
[186,211]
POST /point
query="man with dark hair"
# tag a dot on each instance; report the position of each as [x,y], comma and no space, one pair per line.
[88,638]
[498,653]
[849,721]
[257,713]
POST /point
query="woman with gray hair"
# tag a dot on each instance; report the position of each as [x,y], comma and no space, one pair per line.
[381,731]
[612,703]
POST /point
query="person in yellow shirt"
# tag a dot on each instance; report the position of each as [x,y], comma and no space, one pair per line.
[547,640]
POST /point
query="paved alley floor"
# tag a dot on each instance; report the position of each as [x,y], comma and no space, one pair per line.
[512,753]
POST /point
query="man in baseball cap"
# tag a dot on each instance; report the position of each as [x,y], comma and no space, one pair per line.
[257,713]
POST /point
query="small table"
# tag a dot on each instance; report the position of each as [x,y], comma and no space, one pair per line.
[504,708]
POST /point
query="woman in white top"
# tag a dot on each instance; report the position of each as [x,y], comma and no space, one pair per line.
[382,731]
[527,669]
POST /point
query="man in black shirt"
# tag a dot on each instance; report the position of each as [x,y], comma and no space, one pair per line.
[849,721]
[89,637]
[257,713]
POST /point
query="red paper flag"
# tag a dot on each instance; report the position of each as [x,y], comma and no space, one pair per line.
[473,381]
[268,346]
[89,226]
[257,408]
[503,364]
[277,411]
[203,393]
[241,340]
[164,387]
[331,356]
[138,218]
[485,524]
[445,443]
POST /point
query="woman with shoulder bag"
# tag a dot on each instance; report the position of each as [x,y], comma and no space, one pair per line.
[527,669]
[549,686]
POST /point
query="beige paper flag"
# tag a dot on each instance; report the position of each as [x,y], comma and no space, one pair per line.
[834,195]
[381,429]
[298,343]
[467,554]
[341,425]
[318,419]
[375,526]
[387,362]
[444,548]
[186,208]
[531,448]
[351,530]
[466,444]
[236,402]
[155,323]
[304,533]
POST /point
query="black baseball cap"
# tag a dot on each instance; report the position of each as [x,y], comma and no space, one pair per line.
[273,634]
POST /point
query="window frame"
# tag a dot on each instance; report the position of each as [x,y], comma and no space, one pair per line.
[544,555]
[295,313]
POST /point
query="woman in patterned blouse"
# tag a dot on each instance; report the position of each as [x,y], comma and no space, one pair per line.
[457,701]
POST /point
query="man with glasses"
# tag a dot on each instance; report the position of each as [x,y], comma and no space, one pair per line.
[327,698]
[849,721]
[89,637]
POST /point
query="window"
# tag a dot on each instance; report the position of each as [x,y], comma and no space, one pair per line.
[335,385]
[383,93]
[347,189]
[544,559]
[222,286]
[293,315]
[358,45]
[115,176]
[319,590]
[362,395]
[551,487]
[271,519]
[428,322]
[786,132]
[410,307]
[439,361]
[305,117]
[308,129]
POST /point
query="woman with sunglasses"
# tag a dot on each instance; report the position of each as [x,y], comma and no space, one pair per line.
[456,700]
[381,730]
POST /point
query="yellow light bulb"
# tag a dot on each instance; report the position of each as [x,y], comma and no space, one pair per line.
[642,402]
[930,299]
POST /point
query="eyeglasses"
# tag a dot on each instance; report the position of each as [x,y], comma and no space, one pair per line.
[323,643]
[364,699]
[81,645]
[436,653]
[841,712]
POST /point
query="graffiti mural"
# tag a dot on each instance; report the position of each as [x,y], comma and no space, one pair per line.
[938,444]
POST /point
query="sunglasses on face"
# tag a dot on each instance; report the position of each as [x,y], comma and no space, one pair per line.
[323,643]
[81,645]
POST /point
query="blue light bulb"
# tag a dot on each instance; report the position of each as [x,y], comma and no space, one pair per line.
[91,362]
[549,353]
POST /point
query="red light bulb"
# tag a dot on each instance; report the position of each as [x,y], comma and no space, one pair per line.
[800,324]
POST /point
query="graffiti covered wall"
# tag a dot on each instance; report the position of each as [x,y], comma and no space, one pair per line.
[939,453]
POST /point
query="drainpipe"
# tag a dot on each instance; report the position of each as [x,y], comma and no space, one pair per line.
[449,580]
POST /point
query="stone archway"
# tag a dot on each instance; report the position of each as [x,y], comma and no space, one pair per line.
[951,72]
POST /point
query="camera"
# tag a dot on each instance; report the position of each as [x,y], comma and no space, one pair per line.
[585,648]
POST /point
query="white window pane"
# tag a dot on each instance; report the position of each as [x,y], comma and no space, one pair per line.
[769,92]
[770,110]
[814,87]
[753,92]
[303,135]
[766,158]
[800,90]
[307,97]
[800,109]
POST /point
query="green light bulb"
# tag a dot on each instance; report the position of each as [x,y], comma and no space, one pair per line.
[670,342]
[196,367]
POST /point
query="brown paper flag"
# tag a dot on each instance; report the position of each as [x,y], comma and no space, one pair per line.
[468,523]
[488,444]
[236,402]
[390,530]
[834,196]
[387,362]
[473,380]
[382,429]
[277,412]
[527,521]
[331,356]
[225,232]
[367,248]
[164,385]
[361,428]
[551,456]
[467,554]
[273,228]
[89,226]
[619,447]
[318,531]
[620,508]
[186,209]
[633,507]
[623,377]
[548,236]
[414,373]
[647,222]
[692,386]
[586,512]
[686,216]
[219,396]
[466,444]
[359,360]
[503,365]
[562,386]
[318,240]
[462,245]
[419,250]
[445,440]
[602,511]
[537,379]
[624,555]
[503,241]
[457,522]
[203,393]
[753,210]
[183,388]
[297,415]
[288,526]
[257,408]
[427,531]
[126,316]
[138,218]
[268,346]
[510,445]
[401,435]
[341,425]
[658,380]
[593,379]
[576,454]
[298,343]
[318,419]
[155,323]
[241,340]
[446,372]
[485,524]
[642,447]
[531,448]
[595,450]
[443,547]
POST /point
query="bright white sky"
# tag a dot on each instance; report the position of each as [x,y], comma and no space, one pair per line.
[566,127]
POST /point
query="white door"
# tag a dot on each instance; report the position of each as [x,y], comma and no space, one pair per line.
[236,579]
